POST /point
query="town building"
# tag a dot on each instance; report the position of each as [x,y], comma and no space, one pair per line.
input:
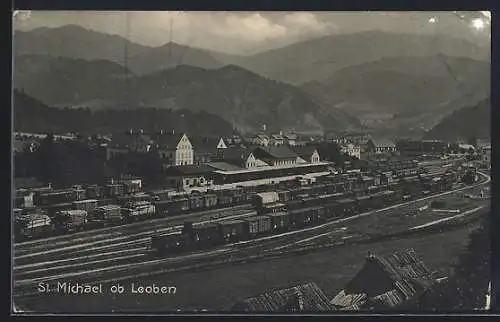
[174,148]
[186,177]
[352,150]
[207,149]
[421,147]
[260,139]
[131,141]
[277,139]
[290,139]
[276,155]
[307,154]
[380,146]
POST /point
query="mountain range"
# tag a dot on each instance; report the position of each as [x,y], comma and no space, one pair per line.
[239,96]
[389,82]
[472,121]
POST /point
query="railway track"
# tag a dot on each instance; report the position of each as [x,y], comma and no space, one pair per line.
[104,258]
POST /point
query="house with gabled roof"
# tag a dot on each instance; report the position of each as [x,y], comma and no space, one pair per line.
[306,297]
[307,154]
[385,282]
[380,146]
[174,148]
[206,149]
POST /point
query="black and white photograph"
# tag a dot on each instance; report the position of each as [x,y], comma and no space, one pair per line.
[251,162]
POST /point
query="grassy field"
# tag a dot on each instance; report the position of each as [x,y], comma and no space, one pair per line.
[219,288]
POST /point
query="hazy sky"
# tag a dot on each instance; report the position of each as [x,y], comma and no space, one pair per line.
[248,32]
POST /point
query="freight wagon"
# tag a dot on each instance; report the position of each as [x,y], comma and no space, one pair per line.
[130,199]
[170,243]
[107,214]
[196,202]
[204,235]
[93,191]
[141,209]
[258,225]
[210,200]
[233,230]
[70,220]
[32,226]
[280,221]
[88,205]
[53,209]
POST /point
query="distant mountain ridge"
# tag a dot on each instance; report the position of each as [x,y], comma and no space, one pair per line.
[464,123]
[239,96]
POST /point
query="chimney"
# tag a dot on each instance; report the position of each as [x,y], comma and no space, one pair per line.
[50,185]
[161,132]
[173,131]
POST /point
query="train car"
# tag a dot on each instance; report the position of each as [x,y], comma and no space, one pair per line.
[57,197]
[233,230]
[138,210]
[180,205]
[70,220]
[53,209]
[259,225]
[347,207]
[88,205]
[132,198]
[131,187]
[224,199]
[93,191]
[265,198]
[196,202]
[307,216]
[107,214]
[280,221]
[210,200]
[272,208]
[364,203]
[204,236]
[284,195]
[170,244]
[113,190]
[163,208]
[32,226]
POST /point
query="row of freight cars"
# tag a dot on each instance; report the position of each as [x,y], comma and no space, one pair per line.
[141,205]
[295,215]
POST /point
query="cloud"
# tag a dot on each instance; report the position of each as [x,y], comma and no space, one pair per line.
[244,32]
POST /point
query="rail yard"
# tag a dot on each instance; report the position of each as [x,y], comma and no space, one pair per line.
[127,251]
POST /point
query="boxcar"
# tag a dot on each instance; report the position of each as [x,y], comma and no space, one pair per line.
[364,203]
[107,214]
[53,209]
[70,220]
[180,205]
[259,225]
[87,205]
[206,235]
[346,207]
[93,191]
[170,243]
[196,202]
[233,230]
[32,226]
[163,207]
[141,209]
[280,221]
[210,200]
[284,195]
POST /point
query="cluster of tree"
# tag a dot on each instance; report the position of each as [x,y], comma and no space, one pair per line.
[65,163]
[466,289]
[31,115]
[330,151]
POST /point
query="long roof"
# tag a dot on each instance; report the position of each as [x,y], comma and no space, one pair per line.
[386,281]
[383,143]
[275,152]
[191,169]
[305,297]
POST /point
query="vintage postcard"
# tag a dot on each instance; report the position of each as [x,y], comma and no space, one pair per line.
[251,162]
